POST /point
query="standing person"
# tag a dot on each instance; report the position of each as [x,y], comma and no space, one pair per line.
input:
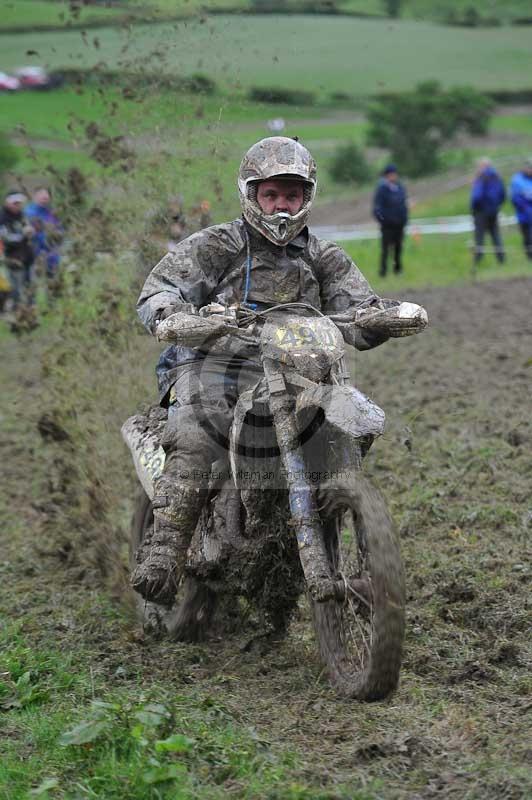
[48,236]
[521,193]
[487,196]
[202,215]
[391,212]
[165,226]
[16,235]
[177,222]
[266,257]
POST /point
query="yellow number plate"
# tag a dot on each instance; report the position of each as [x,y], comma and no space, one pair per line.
[298,335]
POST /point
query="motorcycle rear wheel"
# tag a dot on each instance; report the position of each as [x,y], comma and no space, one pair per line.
[361,636]
[189,616]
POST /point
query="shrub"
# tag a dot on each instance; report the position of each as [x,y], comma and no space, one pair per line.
[134,82]
[470,109]
[276,94]
[471,17]
[343,98]
[415,125]
[393,8]
[198,83]
[295,6]
[8,157]
[349,165]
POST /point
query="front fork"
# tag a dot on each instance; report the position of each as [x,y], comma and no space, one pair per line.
[301,492]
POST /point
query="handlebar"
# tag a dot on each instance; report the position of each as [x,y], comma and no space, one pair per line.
[215,320]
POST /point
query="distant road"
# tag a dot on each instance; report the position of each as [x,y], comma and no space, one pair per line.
[458,224]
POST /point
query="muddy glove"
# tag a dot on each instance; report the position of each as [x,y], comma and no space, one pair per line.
[399,320]
[189,330]
[362,338]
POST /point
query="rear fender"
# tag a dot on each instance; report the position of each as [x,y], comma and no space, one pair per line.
[143,440]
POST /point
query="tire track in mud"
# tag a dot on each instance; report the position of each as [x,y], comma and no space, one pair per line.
[455,466]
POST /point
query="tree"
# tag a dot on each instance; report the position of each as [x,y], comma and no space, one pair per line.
[349,165]
[8,156]
[393,8]
[415,125]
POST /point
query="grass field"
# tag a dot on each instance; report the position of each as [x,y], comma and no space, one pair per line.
[438,260]
[356,56]
[207,148]
[49,114]
[92,708]
[28,13]
[503,10]
[58,13]
[205,138]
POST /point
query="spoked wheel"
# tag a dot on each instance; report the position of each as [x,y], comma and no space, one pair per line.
[188,618]
[361,633]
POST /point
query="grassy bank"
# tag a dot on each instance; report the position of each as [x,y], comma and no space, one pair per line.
[38,13]
[419,9]
[439,260]
[33,13]
[290,55]
[201,140]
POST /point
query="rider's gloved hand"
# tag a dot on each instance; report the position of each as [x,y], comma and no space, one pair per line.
[400,319]
[374,323]
[190,330]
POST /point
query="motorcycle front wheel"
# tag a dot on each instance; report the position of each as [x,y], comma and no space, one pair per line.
[361,635]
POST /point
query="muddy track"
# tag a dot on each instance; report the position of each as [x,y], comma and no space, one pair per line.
[455,466]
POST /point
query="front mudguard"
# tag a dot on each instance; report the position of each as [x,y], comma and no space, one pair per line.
[347,410]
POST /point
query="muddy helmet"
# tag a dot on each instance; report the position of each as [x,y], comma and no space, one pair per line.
[276,157]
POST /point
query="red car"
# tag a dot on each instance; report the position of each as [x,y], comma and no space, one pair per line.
[37,78]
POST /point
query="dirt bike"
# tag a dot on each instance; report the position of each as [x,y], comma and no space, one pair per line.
[291,511]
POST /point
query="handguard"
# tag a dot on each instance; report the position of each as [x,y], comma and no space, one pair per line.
[404,319]
[189,330]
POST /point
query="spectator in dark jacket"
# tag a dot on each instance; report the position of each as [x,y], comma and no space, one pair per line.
[521,192]
[16,235]
[391,212]
[487,196]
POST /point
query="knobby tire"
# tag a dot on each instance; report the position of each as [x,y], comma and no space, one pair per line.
[361,637]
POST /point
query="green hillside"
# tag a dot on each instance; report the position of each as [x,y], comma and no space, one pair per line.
[320,54]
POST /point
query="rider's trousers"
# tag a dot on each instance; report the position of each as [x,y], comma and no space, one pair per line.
[196,434]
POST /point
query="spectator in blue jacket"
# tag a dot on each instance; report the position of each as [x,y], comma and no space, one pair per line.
[487,196]
[391,212]
[521,193]
[48,236]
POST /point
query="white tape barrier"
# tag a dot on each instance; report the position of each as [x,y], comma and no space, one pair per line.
[458,224]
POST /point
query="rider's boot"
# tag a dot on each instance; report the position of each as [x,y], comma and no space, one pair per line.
[162,556]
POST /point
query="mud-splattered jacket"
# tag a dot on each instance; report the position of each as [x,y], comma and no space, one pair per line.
[212,264]
[16,243]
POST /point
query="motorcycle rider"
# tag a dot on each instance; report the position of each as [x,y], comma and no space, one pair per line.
[266,257]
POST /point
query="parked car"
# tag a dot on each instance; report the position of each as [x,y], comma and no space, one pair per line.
[8,83]
[37,78]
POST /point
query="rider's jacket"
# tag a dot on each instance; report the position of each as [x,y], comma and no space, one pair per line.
[222,262]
